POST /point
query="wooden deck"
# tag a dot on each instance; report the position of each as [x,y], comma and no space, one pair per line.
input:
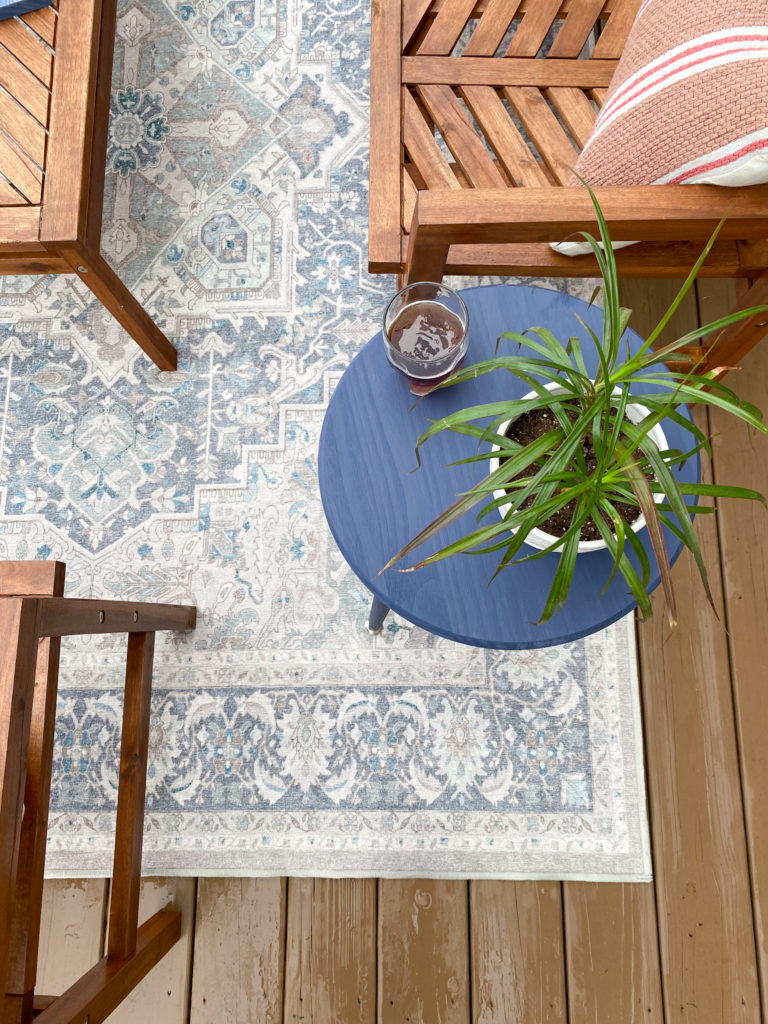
[690,947]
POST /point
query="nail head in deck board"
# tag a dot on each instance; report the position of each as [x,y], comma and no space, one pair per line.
[239,956]
[707,942]
[71,931]
[423,951]
[518,966]
[164,994]
[741,457]
[330,957]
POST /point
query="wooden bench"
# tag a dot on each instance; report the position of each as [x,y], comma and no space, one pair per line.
[471,153]
[55,83]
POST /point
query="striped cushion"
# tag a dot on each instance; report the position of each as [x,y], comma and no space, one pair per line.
[688,102]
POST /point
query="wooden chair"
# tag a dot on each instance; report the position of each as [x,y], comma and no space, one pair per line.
[493,206]
[55,77]
[33,617]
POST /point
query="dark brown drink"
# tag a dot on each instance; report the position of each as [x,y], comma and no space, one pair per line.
[427,344]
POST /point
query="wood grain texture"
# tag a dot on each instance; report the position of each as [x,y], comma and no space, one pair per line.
[384,194]
[72,928]
[27,48]
[93,996]
[576,28]
[533,29]
[741,458]
[69,616]
[330,957]
[240,937]
[614,32]
[423,951]
[518,964]
[502,135]
[491,28]
[613,953]
[164,994]
[707,947]
[646,212]
[556,149]
[583,74]
[94,271]
[422,148]
[132,783]
[446,28]
[460,136]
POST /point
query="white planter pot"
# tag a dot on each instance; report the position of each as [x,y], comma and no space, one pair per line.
[538,538]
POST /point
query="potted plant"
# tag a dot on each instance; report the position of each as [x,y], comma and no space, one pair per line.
[578,462]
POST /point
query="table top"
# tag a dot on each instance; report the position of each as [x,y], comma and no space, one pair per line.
[375,504]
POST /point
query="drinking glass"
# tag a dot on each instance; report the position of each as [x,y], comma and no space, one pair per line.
[425,334]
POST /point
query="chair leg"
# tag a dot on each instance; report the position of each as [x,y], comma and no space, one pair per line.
[732,344]
[425,260]
[94,270]
[18,625]
[126,876]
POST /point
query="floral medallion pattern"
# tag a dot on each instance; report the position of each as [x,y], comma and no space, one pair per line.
[284,738]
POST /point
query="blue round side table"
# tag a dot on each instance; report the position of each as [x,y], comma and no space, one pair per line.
[375,503]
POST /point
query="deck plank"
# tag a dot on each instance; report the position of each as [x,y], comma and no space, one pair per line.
[240,936]
[707,944]
[164,994]
[330,955]
[423,952]
[741,458]
[71,931]
[516,941]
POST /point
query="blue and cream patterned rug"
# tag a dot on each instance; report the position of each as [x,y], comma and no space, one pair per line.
[284,739]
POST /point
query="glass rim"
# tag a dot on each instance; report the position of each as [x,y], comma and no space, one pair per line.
[416,284]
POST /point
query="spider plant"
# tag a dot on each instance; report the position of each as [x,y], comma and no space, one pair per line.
[630,467]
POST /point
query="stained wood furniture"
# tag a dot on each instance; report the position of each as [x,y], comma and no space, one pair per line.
[34,616]
[55,74]
[473,137]
[375,504]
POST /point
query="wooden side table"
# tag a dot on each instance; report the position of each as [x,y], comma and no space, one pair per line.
[33,617]
[375,503]
[55,74]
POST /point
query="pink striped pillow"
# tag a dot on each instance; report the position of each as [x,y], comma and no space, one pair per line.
[688,100]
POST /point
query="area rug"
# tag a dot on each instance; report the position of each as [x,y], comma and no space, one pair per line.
[285,739]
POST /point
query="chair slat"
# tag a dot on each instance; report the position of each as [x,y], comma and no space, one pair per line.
[414,12]
[610,42]
[557,150]
[598,95]
[582,74]
[575,29]
[446,28]
[460,137]
[27,48]
[20,126]
[23,86]
[9,196]
[502,135]
[491,28]
[43,22]
[533,29]
[20,171]
[576,111]
[423,149]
